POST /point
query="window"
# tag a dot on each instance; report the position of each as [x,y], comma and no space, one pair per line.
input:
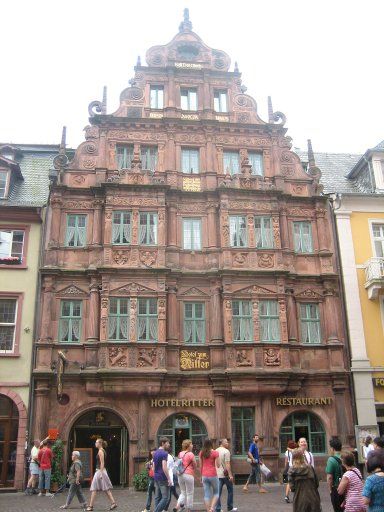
[148,156]
[121,228]
[237,231]
[269,320]
[190,161]
[8,312]
[70,321]
[243,429]
[302,424]
[231,162]
[189,99]
[9,428]
[194,322]
[11,244]
[118,320]
[302,236]
[147,320]
[76,231]
[157,96]
[263,232]
[220,102]
[3,183]
[256,160]
[242,320]
[378,238]
[182,426]
[310,323]
[192,234]
[148,228]
[124,156]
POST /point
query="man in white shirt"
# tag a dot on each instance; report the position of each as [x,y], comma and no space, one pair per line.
[33,468]
[224,472]
[303,445]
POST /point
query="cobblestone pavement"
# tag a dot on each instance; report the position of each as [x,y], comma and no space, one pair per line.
[130,501]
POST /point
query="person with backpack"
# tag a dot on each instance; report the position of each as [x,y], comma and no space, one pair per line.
[75,478]
[335,471]
[291,445]
[351,485]
[304,484]
[173,476]
[185,467]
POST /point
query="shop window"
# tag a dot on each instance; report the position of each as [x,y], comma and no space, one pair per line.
[147,320]
[263,232]
[189,99]
[157,96]
[192,234]
[243,429]
[238,231]
[118,319]
[183,426]
[303,424]
[76,234]
[194,322]
[11,245]
[124,155]
[310,323]
[231,162]
[70,321]
[3,183]
[8,316]
[190,161]
[242,320]
[269,320]
[148,155]
[121,228]
[148,228]
[256,160]
[9,427]
[378,239]
[220,101]
[302,237]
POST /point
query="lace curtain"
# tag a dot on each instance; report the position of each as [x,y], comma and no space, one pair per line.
[115,233]
[75,330]
[81,233]
[64,329]
[141,329]
[188,331]
[200,331]
[70,235]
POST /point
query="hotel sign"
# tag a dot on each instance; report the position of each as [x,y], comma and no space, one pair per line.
[288,401]
[194,360]
[183,402]
[378,382]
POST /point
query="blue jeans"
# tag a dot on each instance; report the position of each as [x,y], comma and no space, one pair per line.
[211,487]
[44,479]
[150,491]
[162,495]
[225,481]
[254,474]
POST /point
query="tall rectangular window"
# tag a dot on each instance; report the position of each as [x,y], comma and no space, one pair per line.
[157,96]
[310,323]
[194,322]
[238,231]
[148,228]
[76,235]
[11,243]
[70,321]
[263,232]
[148,155]
[8,315]
[242,320]
[121,228]
[188,99]
[192,234]
[231,162]
[147,320]
[124,156]
[220,101]
[378,238]
[118,319]
[256,160]
[269,320]
[243,429]
[190,161]
[3,183]
[302,236]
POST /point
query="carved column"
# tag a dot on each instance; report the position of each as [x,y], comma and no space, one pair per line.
[291,315]
[161,227]
[133,319]
[172,315]
[267,423]
[220,415]
[104,317]
[341,417]
[56,204]
[46,310]
[224,228]
[108,226]
[161,318]
[284,229]
[331,314]
[228,320]
[94,311]
[172,226]
[283,320]
[276,231]
[251,230]
[322,229]
[96,233]
[216,313]
[135,226]
[143,424]
[255,319]
[40,419]
[211,218]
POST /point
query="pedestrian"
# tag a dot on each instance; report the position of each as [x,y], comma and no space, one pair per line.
[173,477]
[224,472]
[367,447]
[304,484]
[351,485]
[33,468]
[253,458]
[291,445]
[186,478]
[100,480]
[373,493]
[74,479]
[161,475]
[151,481]
[45,457]
[334,471]
[209,462]
[378,449]
[303,445]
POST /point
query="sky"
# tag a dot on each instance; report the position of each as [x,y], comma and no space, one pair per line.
[320,60]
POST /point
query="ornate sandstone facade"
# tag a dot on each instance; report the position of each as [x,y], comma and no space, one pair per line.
[189,277]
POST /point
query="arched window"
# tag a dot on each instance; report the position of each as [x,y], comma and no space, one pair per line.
[183,426]
[9,427]
[303,424]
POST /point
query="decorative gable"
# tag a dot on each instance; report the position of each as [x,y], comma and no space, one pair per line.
[132,289]
[308,294]
[72,291]
[194,292]
[256,290]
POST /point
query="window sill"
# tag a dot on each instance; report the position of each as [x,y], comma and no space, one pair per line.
[13,267]
[11,354]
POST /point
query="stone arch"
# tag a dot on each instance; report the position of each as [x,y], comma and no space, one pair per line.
[316,414]
[203,416]
[197,430]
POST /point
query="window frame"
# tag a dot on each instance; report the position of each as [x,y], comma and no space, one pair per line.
[185,149]
[119,316]
[245,442]
[7,173]
[152,158]
[291,434]
[121,226]
[301,223]
[192,220]
[308,320]
[372,222]
[18,227]
[220,93]
[189,90]
[76,233]
[127,155]
[19,298]
[237,231]
[241,316]
[194,319]
[263,318]
[70,318]
[157,88]
[148,224]
[147,316]
[261,160]
[262,231]
[232,153]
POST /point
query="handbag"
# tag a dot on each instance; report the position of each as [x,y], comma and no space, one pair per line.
[265,470]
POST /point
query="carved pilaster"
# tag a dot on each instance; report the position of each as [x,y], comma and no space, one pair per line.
[108,226]
[133,319]
[112,164]
[135,226]
[255,320]
[341,417]
[322,229]
[96,232]
[251,230]
[216,313]
[40,419]
[228,320]
[219,160]
[276,231]
[284,229]
[46,310]
[172,323]
[331,309]
[291,316]
[56,205]
[161,227]
[172,225]
[211,218]
[143,424]
[94,310]
[104,317]
[224,228]
[283,320]
[161,316]
[220,414]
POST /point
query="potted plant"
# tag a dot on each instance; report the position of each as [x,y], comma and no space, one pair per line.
[10,260]
[140,480]
[57,476]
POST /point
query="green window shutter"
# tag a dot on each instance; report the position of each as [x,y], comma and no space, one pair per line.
[310,323]
[269,320]
[242,328]
[70,321]
[147,320]
[194,322]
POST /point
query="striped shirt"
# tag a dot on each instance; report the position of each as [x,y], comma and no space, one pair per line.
[354,500]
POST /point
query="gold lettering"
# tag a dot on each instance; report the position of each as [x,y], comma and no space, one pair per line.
[153,403]
[205,403]
[323,401]
[160,403]
[184,403]
[310,401]
[278,401]
[210,403]
[317,401]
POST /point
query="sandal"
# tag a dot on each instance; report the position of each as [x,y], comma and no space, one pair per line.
[89,508]
[113,506]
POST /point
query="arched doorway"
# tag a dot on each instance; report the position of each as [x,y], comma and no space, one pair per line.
[110,427]
[183,426]
[303,424]
[9,427]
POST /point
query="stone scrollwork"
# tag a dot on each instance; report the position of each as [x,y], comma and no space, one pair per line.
[147,357]
[272,357]
[243,358]
[118,357]
[95,107]
[279,118]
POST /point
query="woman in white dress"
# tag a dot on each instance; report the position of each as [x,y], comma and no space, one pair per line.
[101,481]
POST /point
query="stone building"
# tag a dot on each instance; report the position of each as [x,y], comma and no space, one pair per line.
[189,277]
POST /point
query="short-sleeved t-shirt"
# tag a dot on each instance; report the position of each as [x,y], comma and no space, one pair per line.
[158,458]
[334,468]
[374,490]
[208,466]
[288,455]
[224,458]
[188,465]
[34,454]
[45,458]
[255,451]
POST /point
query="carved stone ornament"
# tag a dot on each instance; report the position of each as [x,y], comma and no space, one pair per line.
[308,294]
[72,290]
[272,357]
[121,257]
[146,357]
[79,179]
[243,358]
[129,288]
[148,258]
[118,357]
[239,259]
[265,260]
[193,292]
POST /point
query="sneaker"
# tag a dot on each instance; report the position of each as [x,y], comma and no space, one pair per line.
[49,494]
[235,509]
[287,499]
[41,494]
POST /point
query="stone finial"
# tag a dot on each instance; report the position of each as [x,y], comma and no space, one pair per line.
[138,63]
[311,156]
[60,162]
[270,110]
[104,101]
[63,141]
[186,23]
[236,68]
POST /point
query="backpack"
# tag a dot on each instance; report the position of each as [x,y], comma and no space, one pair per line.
[341,470]
[179,466]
